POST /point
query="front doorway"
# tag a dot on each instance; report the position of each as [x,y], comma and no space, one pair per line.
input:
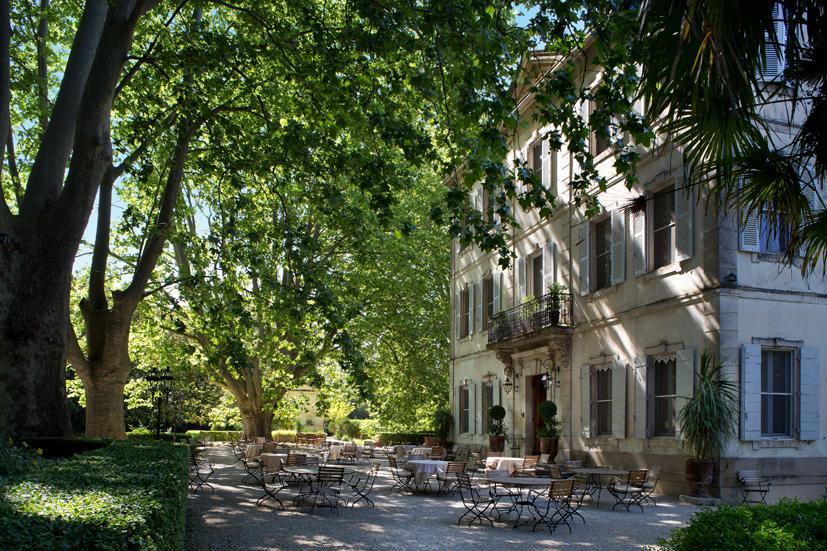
[538,395]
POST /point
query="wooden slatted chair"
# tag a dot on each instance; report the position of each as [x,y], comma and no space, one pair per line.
[529,467]
[753,484]
[628,490]
[326,488]
[362,486]
[437,453]
[556,506]
[277,483]
[402,477]
[476,504]
[446,480]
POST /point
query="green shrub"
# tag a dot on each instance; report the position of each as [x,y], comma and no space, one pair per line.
[284,435]
[216,435]
[127,495]
[53,447]
[788,525]
[141,435]
[367,428]
[388,438]
[14,460]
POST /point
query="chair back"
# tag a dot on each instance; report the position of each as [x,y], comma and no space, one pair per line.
[296,459]
[530,460]
[312,460]
[455,467]
[637,477]
[464,485]
[560,490]
[653,475]
[573,464]
[544,458]
[437,452]
[750,476]
[556,471]
[330,474]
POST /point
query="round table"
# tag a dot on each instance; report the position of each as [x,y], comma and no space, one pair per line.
[273,461]
[594,473]
[520,502]
[523,481]
[422,469]
[504,464]
[421,451]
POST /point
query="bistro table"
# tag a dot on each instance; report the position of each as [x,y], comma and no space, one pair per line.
[595,475]
[421,452]
[422,469]
[533,485]
[504,464]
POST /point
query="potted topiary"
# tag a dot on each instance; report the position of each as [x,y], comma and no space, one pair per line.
[496,429]
[557,292]
[549,433]
[707,422]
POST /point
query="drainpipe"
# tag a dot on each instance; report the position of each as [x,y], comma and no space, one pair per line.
[571,290]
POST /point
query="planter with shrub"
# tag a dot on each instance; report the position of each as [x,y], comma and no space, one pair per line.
[497,435]
[549,433]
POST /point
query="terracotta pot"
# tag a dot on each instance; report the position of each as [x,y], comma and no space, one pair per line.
[699,475]
[496,443]
[550,446]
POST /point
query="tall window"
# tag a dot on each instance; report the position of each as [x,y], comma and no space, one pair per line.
[464,413]
[487,402]
[537,160]
[465,310]
[774,236]
[598,144]
[663,227]
[664,392]
[537,275]
[602,254]
[487,299]
[776,393]
[601,396]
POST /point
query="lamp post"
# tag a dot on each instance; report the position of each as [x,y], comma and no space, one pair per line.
[161,385]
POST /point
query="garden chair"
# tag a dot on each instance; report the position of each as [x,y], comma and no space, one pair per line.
[326,488]
[752,483]
[362,486]
[296,459]
[556,506]
[271,490]
[312,460]
[350,452]
[651,483]
[628,490]
[544,459]
[529,467]
[437,452]
[200,471]
[254,468]
[447,479]
[402,478]
[475,503]
[579,494]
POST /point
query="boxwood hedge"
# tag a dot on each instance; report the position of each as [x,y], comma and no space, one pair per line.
[127,495]
[788,526]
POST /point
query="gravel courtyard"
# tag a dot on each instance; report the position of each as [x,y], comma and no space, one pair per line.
[229,519]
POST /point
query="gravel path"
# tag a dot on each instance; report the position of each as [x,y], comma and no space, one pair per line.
[229,519]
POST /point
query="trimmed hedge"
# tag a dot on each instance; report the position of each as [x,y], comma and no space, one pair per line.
[144,436]
[53,447]
[216,435]
[127,495]
[388,438]
[788,526]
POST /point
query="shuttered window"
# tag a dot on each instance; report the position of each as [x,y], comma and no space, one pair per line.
[777,393]
[602,254]
[663,227]
[537,275]
[601,396]
[487,299]
[663,388]
[487,400]
[465,312]
[537,160]
[464,404]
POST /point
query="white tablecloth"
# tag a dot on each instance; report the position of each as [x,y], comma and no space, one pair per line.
[504,464]
[422,451]
[422,469]
[273,461]
[253,450]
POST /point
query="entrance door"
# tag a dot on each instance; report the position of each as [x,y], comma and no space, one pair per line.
[538,394]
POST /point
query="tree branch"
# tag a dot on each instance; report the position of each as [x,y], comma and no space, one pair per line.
[76,356]
[42,65]
[100,254]
[5,97]
[46,175]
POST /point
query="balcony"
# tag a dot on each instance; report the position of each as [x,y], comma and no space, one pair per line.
[532,318]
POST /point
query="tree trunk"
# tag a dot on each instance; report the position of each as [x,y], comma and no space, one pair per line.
[35,276]
[104,410]
[256,422]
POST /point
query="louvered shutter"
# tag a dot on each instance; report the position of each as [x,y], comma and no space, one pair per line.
[684,221]
[478,200]
[749,235]
[774,53]
[618,252]
[639,242]
[546,166]
[457,314]
[810,392]
[684,381]
[498,396]
[618,399]
[750,392]
[549,266]
[640,398]
[473,407]
[586,400]
[457,410]
[477,392]
[496,284]
[584,112]
[584,257]
[521,279]
[478,306]
[469,314]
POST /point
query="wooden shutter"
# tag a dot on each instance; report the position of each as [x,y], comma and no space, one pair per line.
[473,408]
[457,409]
[585,110]
[640,398]
[478,306]
[639,242]
[584,257]
[684,381]
[749,234]
[750,392]
[498,393]
[684,221]
[618,252]
[774,52]
[546,166]
[521,279]
[496,287]
[618,399]
[457,314]
[549,266]
[810,394]
[586,400]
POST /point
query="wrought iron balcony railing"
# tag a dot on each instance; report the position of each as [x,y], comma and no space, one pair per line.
[533,315]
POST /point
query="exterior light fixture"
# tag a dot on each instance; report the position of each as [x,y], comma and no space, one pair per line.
[507,385]
[551,375]
[161,382]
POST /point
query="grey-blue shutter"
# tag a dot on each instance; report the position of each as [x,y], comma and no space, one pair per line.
[584,257]
[640,397]
[750,392]
[684,381]
[618,250]
[810,392]
[618,399]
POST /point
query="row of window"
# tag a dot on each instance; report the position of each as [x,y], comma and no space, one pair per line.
[473,400]
[779,394]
